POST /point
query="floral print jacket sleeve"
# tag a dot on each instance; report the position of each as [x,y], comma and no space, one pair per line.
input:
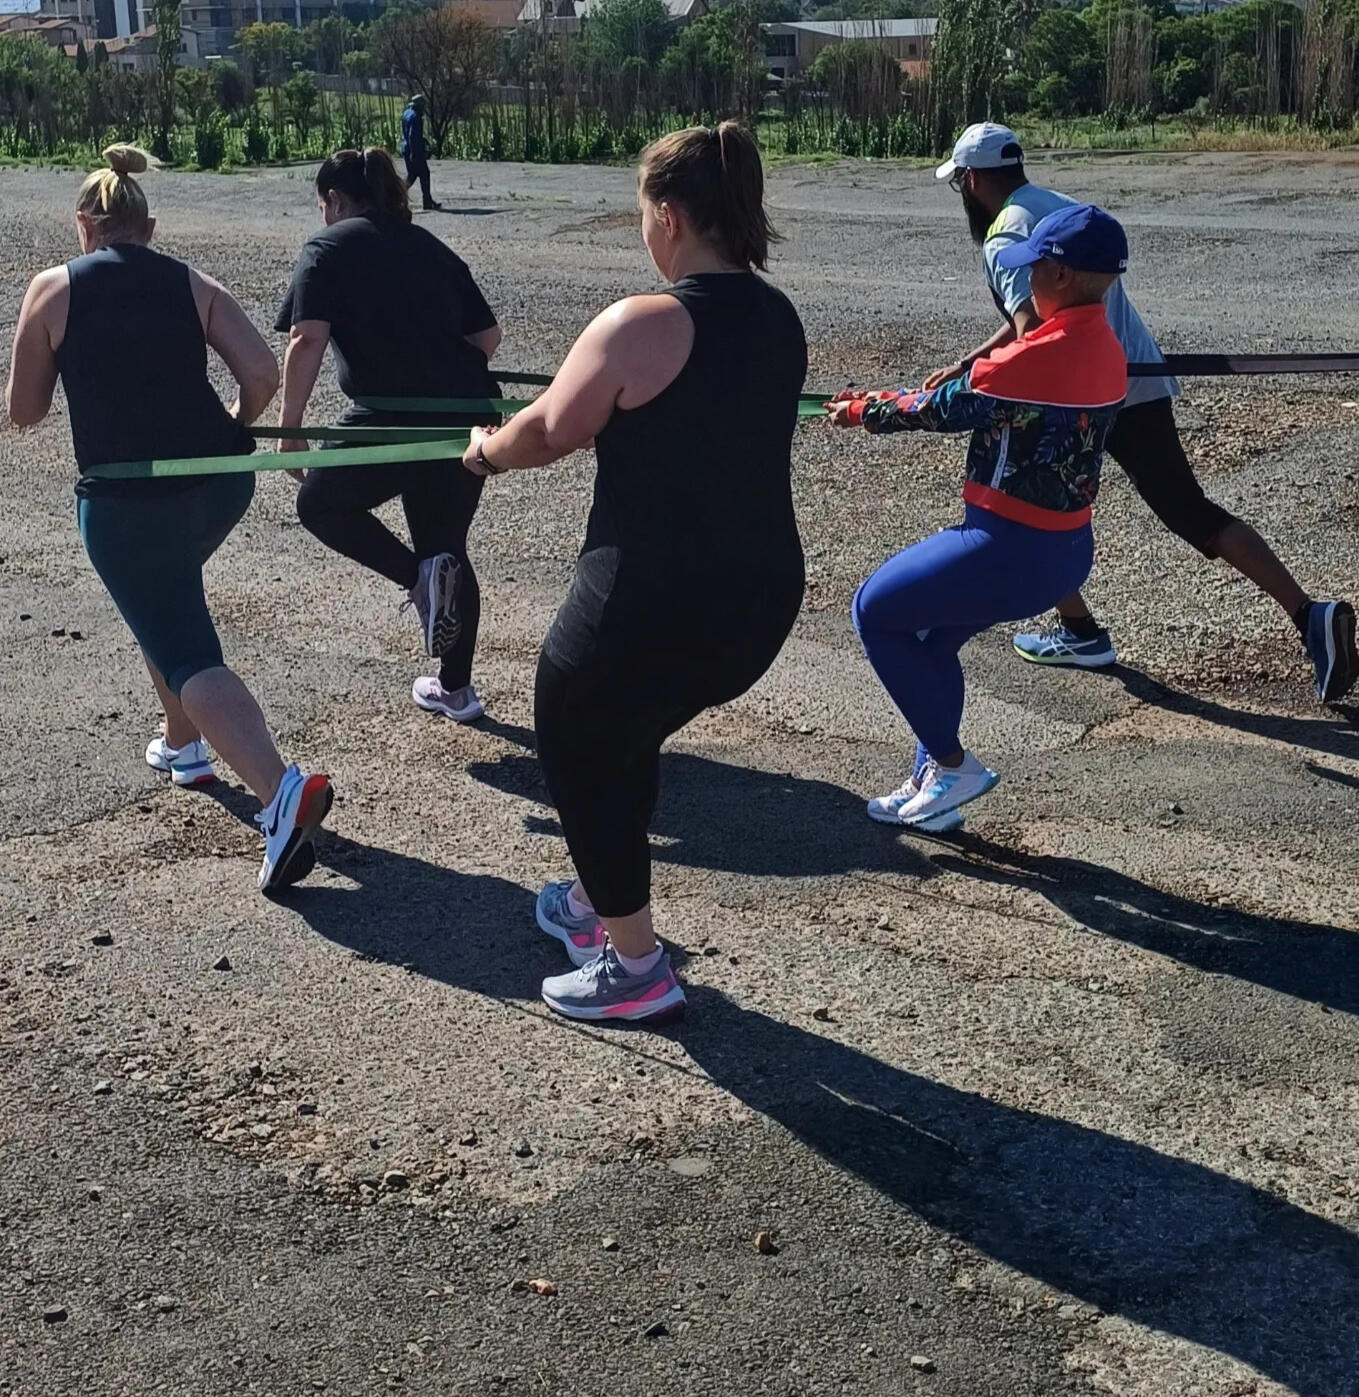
[1039,412]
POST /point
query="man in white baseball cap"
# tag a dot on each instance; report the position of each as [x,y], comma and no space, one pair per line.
[983,146]
[1003,208]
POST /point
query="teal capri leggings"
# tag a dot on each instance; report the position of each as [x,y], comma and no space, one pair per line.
[149,551]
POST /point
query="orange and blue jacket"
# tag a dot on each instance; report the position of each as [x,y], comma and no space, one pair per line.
[1039,411]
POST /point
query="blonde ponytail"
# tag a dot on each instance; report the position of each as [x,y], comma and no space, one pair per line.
[112,200]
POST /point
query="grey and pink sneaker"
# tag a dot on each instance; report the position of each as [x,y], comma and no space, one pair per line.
[605,990]
[583,937]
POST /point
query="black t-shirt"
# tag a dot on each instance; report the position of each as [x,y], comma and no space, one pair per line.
[400,304]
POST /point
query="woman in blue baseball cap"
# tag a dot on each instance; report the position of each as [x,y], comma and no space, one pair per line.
[1039,411]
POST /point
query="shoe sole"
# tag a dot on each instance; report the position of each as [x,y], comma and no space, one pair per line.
[312,808]
[667,1009]
[1068,661]
[940,824]
[445,626]
[204,778]
[1342,661]
[577,957]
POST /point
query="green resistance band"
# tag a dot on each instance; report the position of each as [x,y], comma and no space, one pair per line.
[808,404]
[359,436]
[450,446]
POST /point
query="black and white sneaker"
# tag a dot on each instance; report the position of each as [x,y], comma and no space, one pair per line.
[1331,648]
[289,821]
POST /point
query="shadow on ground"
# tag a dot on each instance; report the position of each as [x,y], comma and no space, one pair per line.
[738,819]
[1307,960]
[1165,1242]
[1335,731]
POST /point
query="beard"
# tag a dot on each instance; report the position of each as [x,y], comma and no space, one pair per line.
[978,220]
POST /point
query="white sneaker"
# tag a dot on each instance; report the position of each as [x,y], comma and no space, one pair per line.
[462,705]
[886,810]
[944,788]
[189,765]
[289,821]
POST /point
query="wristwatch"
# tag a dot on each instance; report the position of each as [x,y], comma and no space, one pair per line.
[486,465]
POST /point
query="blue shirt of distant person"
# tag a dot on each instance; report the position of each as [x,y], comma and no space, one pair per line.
[414,150]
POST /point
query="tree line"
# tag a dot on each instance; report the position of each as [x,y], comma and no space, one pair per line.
[630,72]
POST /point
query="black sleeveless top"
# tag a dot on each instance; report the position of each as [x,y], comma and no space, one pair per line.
[134,365]
[692,537]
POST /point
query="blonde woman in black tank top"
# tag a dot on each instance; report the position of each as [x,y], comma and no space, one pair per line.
[691,573]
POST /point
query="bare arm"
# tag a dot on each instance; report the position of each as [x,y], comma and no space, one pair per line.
[242,348]
[1025,318]
[488,341]
[625,356]
[33,363]
[301,363]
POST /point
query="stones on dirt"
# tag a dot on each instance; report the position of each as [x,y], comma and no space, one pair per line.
[610,1244]
[690,1166]
[766,1243]
[262,1132]
[656,1331]
[165,1304]
[222,963]
[922,1364]
[823,1014]
[394,1180]
[55,1314]
[103,1087]
[522,1149]
[306,1108]
[538,1286]
[102,938]
[469,1139]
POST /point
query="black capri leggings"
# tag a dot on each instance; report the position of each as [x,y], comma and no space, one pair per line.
[440,499]
[600,729]
[1146,443]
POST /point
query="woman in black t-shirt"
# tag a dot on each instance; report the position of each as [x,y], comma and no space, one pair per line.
[405,320]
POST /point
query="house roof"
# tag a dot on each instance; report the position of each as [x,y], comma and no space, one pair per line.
[862,28]
[679,9]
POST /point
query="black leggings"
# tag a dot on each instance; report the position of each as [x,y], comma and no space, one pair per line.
[600,729]
[419,170]
[440,499]
[1146,443]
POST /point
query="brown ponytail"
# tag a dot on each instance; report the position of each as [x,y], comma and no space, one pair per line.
[112,200]
[715,175]
[367,179]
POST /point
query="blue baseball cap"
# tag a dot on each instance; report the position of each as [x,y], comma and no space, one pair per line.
[1081,237]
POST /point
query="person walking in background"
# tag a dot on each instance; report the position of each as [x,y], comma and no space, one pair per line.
[691,574]
[415,151]
[406,320]
[1002,208]
[148,539]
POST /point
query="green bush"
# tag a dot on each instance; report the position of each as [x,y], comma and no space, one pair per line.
[209,143]
[255,143]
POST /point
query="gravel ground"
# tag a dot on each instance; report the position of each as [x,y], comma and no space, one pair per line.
[1063,1105]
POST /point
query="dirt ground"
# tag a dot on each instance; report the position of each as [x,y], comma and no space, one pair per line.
[1065,1104]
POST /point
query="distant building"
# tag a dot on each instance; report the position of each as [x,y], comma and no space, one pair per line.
[791,48]
[565,16]
[54,31]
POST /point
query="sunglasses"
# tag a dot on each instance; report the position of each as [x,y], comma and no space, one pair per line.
[957,179]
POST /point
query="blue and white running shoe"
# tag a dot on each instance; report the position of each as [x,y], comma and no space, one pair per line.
[1061,647]
[886,810]
[189,765]
[1330,644]
[943,789]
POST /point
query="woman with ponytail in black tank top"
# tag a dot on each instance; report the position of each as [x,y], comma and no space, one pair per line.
[127,332]
[691,574]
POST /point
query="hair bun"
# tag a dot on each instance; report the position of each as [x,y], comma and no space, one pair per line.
[125,159]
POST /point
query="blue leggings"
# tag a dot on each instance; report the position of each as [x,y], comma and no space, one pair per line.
[917,611]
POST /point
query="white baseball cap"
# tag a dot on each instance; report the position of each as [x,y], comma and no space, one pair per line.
[982,147]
